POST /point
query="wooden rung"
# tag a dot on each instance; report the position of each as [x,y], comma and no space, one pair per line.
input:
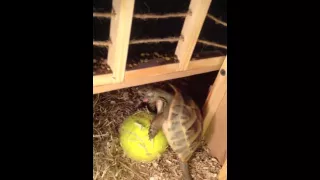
[216,94]
[120,28]
[190,31]
[158,73]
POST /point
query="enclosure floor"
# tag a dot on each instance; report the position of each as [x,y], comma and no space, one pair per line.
[110,109]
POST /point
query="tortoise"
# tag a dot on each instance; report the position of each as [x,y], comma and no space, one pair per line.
[181,121]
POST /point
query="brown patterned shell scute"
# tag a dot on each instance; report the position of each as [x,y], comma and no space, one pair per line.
[183,127]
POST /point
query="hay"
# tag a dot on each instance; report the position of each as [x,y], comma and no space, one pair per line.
[110,109]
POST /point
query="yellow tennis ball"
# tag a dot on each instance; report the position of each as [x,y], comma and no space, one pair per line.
[135,141]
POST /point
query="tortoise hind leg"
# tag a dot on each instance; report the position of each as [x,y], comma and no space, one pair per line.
[156,125]
[185,170]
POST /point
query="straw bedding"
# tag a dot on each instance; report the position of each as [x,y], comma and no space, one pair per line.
[110,109]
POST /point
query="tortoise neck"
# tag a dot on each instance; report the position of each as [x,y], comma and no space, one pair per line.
[165,95]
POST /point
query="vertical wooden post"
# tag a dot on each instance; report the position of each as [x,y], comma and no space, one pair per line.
[223,172]
[216,134]
[216,94]
[120,28]
[190,31]
[215,116]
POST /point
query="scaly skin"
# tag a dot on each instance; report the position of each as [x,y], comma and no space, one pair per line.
[160,100]
[180,119]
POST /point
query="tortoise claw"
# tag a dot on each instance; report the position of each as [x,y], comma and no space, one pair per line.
[151,134]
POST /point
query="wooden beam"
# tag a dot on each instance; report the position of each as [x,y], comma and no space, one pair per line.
[99,80]
[223,172]
[216,134]
[216,94]
[120,28]
[160,73]
[190,31]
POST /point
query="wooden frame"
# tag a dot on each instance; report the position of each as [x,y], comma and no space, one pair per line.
[190,31]
[215,120]
[215,96]
[120,29]
[121,21]
[103,83]
[223,172]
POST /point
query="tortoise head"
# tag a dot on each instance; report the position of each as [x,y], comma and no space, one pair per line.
[148,94]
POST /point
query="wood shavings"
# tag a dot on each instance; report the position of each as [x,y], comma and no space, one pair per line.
[111,163]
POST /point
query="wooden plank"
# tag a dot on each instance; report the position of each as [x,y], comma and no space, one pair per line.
[207,62]
[120,28]
[161,73]
[190,31]
[215,96]
[216,134]
[223,172]
[99,80]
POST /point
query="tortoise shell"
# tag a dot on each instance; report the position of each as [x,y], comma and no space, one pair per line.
[183,125]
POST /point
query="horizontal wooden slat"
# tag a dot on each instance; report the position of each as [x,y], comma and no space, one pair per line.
[158,73]
[99,80]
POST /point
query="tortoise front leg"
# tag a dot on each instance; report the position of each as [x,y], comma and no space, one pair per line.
[156,125]
[158,120]
[160,106]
